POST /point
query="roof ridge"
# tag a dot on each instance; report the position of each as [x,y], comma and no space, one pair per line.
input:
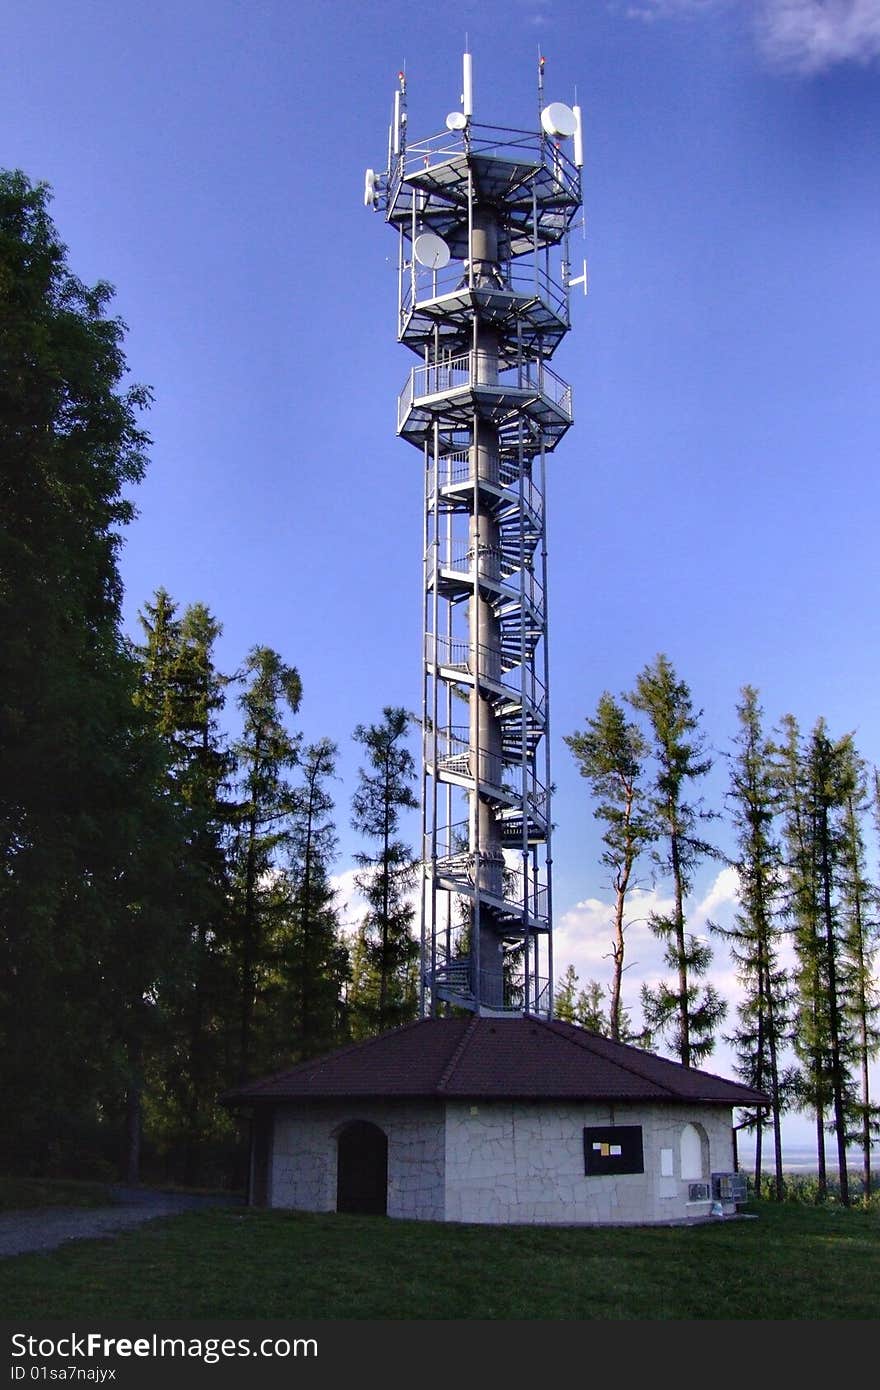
[458,1053]
[656,1057]
[581,1042]
[312,1062]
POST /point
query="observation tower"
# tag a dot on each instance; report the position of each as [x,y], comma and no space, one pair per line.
[483,216]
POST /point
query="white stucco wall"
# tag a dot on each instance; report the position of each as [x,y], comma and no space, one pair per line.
[303,1174]
[524,1163]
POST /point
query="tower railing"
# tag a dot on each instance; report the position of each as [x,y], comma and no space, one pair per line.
[467,372]
[455,468]
[525,282]
[455,653]
[516,145]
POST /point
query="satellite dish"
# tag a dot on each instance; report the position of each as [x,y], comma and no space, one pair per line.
[456,120]
[558,119]
[370,188]
[431,250]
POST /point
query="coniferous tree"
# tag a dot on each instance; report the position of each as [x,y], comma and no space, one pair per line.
[803,908]
[859,902]
[317,961]
[764,1024]
[826,771]
[185,694]
[814,780]
[687,1015]
[611,752]
[387,995]
[80,772]
[265,753]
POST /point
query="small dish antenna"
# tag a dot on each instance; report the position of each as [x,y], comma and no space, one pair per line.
[431,250]
[456,120]
[559,120]
[370,188]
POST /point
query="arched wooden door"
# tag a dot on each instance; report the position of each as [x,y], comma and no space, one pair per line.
[362,1169]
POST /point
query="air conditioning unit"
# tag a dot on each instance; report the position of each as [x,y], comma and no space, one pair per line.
[698,1192]
[730,1187]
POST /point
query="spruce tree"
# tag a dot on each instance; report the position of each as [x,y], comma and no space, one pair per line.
[685,1014]
[388,872]
[185,694]
[317,961]
[265,753]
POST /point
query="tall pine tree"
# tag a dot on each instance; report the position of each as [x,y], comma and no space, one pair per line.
[685,1013]
[754,940]
[611,752]
[387,997]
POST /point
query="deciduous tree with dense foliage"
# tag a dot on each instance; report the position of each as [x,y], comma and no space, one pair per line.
[83,925]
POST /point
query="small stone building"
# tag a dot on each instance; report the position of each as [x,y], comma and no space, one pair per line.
[505,1120]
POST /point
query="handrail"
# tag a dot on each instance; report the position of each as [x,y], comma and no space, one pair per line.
[487,139]
[455,467]
[525,282]
[441,650]
[517,891]
[463,373]
[510,572]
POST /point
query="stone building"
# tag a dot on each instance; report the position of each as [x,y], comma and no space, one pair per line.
[504,1120]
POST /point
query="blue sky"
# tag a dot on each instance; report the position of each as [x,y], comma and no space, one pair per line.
[717,498]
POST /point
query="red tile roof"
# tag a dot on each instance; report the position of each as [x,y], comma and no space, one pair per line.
[495,1058]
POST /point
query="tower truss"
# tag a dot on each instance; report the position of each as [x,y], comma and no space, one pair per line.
[483,216]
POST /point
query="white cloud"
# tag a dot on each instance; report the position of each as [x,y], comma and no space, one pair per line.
[583,934]
[800,36]
[722,899]
[809,36]
[649,10]
[349,901]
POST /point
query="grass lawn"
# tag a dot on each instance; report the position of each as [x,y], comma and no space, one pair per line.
[791,1262]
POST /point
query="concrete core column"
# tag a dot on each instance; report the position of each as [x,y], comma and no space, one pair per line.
[485,633]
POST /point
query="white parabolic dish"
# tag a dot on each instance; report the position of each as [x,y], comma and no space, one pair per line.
[431,250]
[558,119]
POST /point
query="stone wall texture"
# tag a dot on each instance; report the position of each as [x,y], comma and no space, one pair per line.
[524,1163]
[503,1161]
[303,1172]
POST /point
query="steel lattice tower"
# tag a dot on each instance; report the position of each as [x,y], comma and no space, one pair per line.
[483,216]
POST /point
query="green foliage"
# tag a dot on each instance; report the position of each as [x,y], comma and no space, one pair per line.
[611,753]
[313,959]
[86,901]
[764,1012]
[814,778]
[384,993]
[685,1014]
[264,754]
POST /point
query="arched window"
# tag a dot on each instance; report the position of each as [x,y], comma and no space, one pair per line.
[362,1169]
[694,1153]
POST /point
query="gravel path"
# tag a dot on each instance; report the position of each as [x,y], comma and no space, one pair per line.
[48,1227]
